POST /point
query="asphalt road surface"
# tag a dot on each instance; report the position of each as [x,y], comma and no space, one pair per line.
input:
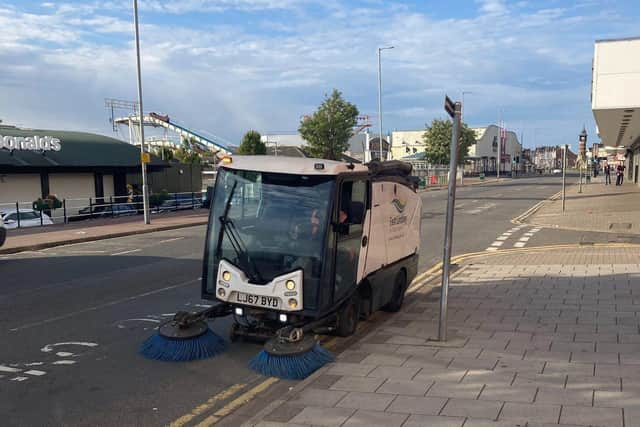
[72,317]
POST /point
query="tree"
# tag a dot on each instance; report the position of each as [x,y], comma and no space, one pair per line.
[437,139]
[328,129]
[252,144]
[188,152]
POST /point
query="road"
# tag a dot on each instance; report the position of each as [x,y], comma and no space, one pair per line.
[105,297]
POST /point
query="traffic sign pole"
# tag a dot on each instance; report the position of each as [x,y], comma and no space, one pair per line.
[455,113]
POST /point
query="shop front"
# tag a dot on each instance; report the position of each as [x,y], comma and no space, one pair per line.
[76,167]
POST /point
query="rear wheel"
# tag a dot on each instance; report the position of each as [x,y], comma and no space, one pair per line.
[399,289]
[348,318]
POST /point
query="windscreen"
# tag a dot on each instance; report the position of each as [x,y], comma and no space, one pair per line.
[268,224]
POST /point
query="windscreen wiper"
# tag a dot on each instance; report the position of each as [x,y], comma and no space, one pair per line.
[222,219]
[228,227]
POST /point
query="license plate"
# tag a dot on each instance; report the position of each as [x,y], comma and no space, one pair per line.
[257,300]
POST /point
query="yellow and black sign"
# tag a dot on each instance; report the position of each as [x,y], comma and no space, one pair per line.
[145,157]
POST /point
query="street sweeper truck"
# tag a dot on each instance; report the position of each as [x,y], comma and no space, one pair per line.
[296,247]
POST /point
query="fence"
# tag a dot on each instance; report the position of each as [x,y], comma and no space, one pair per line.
[25,214]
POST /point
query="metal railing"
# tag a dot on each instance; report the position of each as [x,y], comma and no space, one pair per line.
[22,214]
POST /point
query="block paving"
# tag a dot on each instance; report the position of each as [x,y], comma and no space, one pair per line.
[543,338]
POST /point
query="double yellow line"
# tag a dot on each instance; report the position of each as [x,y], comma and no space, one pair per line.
[520,218]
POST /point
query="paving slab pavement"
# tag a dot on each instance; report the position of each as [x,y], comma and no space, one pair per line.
[600,208]
[539,338]
[31,239]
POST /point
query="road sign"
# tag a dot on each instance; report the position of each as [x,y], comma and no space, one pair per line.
[145,158]
[449,106]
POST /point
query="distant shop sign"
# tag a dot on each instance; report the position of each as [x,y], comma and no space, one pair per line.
[30,143]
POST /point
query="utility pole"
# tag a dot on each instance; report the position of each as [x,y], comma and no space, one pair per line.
[499,150]
[143,154]
[455,111]
[564,167]
[380,49]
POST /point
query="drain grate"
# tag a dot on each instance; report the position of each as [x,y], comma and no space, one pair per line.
[619,226]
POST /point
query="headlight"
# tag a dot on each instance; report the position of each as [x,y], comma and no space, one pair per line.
[221,292]
[293,303]
[290,284]
[226,276]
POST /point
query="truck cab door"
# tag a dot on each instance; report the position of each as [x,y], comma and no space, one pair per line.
[348,226]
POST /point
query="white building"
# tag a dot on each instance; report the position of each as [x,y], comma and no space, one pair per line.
[406,143]
[615,98]
[363,146]
[483,155]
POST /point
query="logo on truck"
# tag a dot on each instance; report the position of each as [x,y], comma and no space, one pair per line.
[400,206]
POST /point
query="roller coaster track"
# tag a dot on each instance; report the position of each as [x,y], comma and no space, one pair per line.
[213,143]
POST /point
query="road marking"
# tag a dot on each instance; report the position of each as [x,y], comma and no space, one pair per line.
[98,307]
[171,240]
[9,369]
[64,362]
[244,398]
[19,379]
[49,347]
[491,249]
[83,252]
[518,245]
[502,237]
[126,252]
[64,354]
[529,234]
[524,239]
[35,372]
[497,244]
[200,409]
[228,408]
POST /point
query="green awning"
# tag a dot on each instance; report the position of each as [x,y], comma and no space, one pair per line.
[30,148]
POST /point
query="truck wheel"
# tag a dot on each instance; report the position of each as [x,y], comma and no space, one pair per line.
[348,318]
[399,289]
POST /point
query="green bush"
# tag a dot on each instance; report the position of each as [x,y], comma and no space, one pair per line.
[155,200]
[49,203]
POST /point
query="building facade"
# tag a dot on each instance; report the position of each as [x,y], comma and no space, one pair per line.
[406,143]
[79,167]
[483,155]
[548,158]
[615,100]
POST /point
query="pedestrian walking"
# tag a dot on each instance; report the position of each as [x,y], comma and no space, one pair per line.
[620,174]
[607,174]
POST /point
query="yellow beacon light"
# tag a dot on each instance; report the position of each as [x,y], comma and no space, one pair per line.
[291,285]
[227,160]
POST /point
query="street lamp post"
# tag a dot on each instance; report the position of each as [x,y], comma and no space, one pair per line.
[145,189]
[380,49]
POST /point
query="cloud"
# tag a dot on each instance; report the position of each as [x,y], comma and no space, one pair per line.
[262,63]
[492,7]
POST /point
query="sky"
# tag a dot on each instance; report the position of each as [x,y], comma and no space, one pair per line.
[227,66]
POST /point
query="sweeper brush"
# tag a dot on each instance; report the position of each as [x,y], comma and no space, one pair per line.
[185,337]
[291,360]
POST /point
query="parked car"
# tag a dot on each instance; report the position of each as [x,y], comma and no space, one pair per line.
[3,232]
[104,211]
[28,218]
